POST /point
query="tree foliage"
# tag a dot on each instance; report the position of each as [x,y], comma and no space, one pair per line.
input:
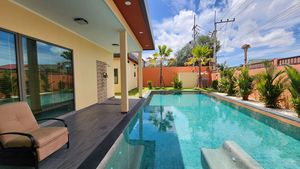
[183,55]
[161,57]
[200,56]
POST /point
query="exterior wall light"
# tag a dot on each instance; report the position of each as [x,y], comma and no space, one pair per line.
[105,75]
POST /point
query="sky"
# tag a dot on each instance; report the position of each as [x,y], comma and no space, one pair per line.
[271,27]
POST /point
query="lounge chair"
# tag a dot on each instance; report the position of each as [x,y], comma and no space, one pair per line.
[22,141]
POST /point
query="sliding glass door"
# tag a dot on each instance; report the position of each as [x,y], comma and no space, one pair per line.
[9,91]
[48,77]
[45,74]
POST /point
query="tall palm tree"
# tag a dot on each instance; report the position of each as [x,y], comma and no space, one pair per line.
[163,54]
[201,56]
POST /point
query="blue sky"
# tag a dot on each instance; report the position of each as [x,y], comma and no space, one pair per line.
[271,27]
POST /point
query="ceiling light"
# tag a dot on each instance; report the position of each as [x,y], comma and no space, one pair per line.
[81,21]
[141,32]
[128,2]
[115,44]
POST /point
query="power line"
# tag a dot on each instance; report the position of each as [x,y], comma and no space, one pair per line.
[281,14]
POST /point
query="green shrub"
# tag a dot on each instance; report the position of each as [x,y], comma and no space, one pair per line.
[294,88]
[150,84]
[222,87]
[214,84]
[245,83]
[177,84]
[228,81]
[270,85]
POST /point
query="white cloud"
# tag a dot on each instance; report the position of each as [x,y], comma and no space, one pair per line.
[174,32]
[265,25]
[57,50]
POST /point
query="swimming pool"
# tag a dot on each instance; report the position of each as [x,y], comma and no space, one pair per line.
[169,129]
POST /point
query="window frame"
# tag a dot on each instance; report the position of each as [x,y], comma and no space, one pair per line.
[20,62]
[16,59]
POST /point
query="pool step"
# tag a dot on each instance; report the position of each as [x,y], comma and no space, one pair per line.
[230,156]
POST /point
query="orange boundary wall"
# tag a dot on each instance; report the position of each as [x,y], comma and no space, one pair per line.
[169,73]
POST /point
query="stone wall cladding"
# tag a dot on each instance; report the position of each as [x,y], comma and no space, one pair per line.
[101,81]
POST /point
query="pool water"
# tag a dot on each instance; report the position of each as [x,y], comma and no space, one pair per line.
[170,129]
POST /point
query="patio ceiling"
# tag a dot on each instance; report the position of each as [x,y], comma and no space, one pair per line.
[138,19]
[103,26]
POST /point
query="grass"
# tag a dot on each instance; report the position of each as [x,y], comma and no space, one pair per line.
[135,92]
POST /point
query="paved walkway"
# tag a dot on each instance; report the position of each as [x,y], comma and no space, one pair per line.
[261,106]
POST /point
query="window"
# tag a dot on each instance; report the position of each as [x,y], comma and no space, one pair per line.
[48,78]
[41,74]
[134,74]
[116,76]
[9,90]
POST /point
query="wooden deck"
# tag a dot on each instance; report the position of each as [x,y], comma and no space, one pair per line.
[92,132]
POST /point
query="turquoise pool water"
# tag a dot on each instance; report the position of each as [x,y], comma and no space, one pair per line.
[170,129]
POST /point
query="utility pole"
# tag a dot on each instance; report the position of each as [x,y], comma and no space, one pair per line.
[195,31]
[215,36]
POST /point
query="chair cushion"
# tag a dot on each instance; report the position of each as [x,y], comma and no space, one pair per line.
[16,117]
[42,137]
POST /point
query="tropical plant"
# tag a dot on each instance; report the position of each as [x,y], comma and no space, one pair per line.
[270,85]
[214,84]
[177,84]
[294,88]
[161,120]
[163,54]
[228,81]
[245,83]
[200,54]
[231,82]
[149,84]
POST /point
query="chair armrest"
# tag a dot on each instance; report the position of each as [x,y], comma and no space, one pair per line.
[22,134]
[61,120]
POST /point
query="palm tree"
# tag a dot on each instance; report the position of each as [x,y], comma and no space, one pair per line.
[163,54]
[200,54]
[294,88]
[161,119]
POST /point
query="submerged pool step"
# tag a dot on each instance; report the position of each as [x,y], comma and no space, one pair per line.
[230,156]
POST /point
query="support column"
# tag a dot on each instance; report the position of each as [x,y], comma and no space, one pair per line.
[140,74]
[124,83]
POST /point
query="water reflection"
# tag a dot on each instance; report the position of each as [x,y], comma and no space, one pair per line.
[161,119]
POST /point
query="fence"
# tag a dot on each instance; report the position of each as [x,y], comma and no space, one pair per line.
[169,73]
